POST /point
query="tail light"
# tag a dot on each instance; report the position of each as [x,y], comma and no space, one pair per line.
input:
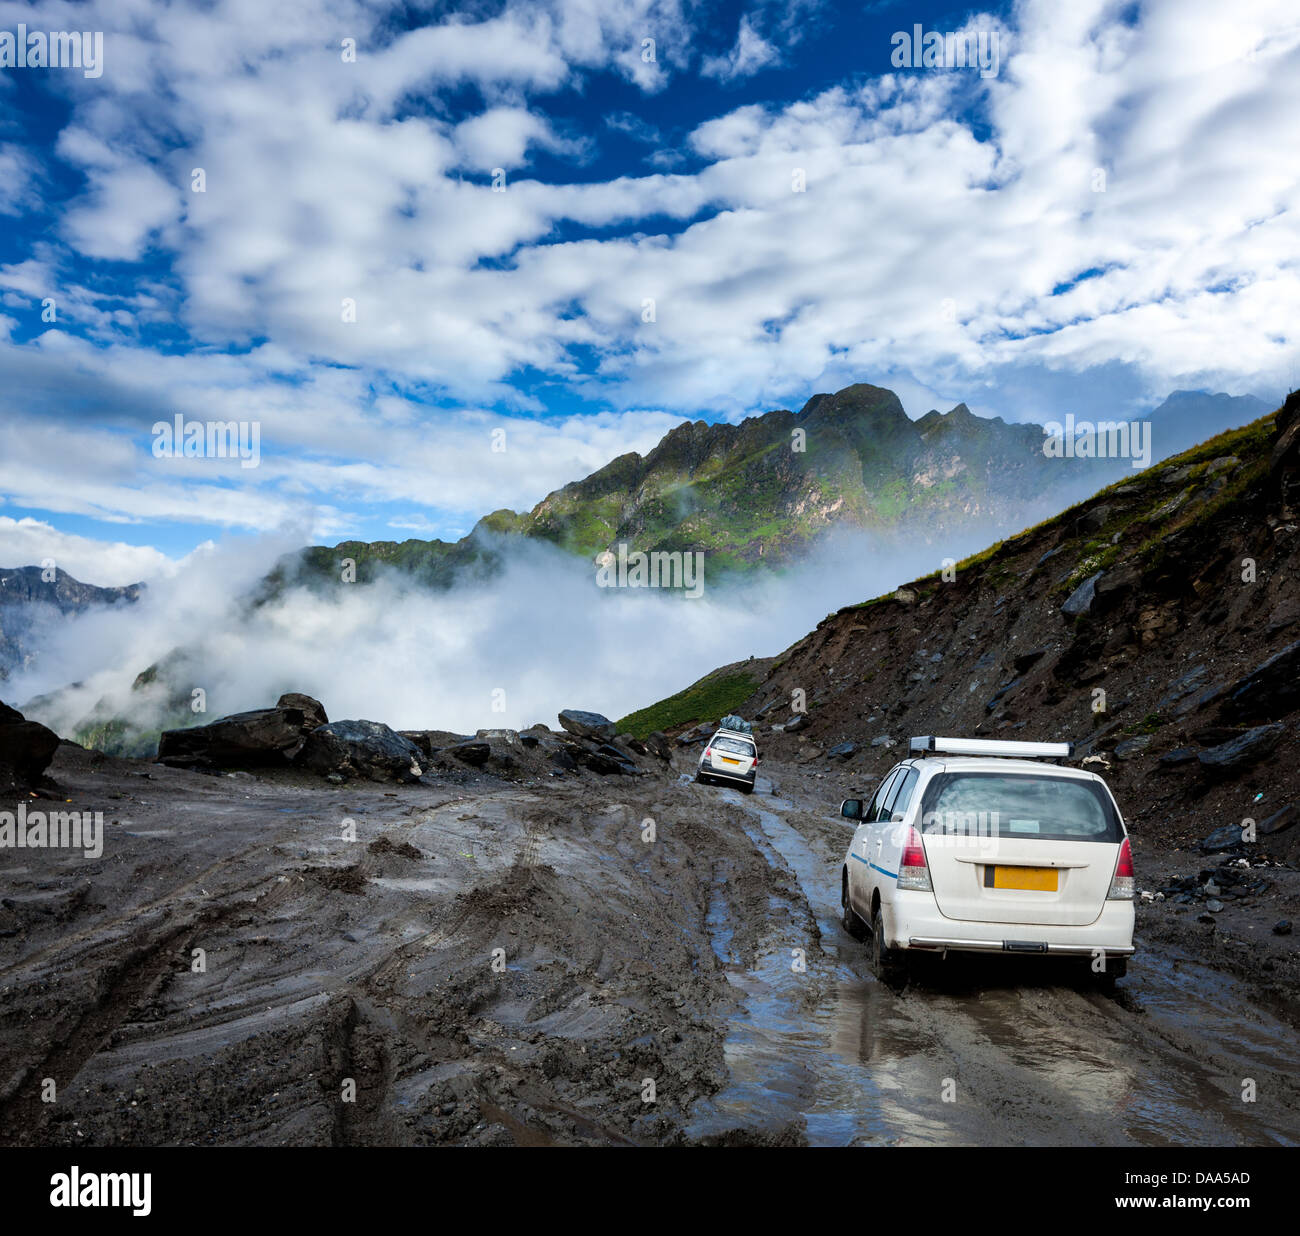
[913,872]
[1121,885]
[708,753]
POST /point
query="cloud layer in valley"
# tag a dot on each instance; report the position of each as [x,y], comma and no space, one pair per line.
[541,632]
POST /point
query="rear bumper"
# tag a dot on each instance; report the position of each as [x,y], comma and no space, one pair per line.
[1022,947]
[916,923]
[742,778]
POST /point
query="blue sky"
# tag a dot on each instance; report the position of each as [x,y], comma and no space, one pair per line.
[1109,215]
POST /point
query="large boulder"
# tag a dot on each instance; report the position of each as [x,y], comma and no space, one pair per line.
[263,738]
[1081,599]
[657,744]
[1271,689]
[26,749]
[1242,751]
[361,749]
[423,739]
[313,711]
[607,759]
[587,724]
[474,753]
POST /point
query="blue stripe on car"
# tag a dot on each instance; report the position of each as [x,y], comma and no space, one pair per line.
[893,875]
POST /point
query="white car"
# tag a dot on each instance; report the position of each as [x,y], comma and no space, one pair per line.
[729,756]
[972,846]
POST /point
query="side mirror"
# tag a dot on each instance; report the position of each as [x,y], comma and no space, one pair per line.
[851,808]
[898,817]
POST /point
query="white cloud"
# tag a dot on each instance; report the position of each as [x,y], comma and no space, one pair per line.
[557,640]
[28,542]
[920,251]
[17,180]
[82,443]
[751,53]
[502,136]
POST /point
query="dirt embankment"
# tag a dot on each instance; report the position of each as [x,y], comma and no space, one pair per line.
[1157,626]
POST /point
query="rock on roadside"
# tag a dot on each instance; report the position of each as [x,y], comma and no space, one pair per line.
[258,739]
[313,711]
[26,749]
[587,724]
[361,749]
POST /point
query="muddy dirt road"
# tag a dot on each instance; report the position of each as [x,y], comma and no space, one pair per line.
[576,960]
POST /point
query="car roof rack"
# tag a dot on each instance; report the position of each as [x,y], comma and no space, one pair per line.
[929,744]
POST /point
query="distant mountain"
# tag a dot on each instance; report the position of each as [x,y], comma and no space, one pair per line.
[759,493]
[30,604]
[1189,417]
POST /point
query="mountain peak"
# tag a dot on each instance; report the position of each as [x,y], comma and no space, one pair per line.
[959,419]
[856,400]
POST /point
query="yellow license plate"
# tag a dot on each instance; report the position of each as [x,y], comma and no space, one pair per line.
[1037,879]
[727,761]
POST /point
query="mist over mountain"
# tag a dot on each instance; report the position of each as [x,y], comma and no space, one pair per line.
[35,600]
[1190,417]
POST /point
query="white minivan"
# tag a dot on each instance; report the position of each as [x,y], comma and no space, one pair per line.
[730,756]
[975,846]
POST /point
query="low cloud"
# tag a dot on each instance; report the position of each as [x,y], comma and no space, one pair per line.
[541,633]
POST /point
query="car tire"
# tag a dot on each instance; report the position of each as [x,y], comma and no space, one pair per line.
[849,919]
[1116,968]
[889,965]
[748,789]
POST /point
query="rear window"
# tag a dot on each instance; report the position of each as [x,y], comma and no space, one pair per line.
[1022,806]
[733,746]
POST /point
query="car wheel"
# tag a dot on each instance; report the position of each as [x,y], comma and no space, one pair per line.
[748,789]
[849,920]
[1116,968]
[889,965]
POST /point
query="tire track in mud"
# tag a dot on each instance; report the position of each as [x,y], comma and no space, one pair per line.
[121,988]
[377,969]
[835,1057]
